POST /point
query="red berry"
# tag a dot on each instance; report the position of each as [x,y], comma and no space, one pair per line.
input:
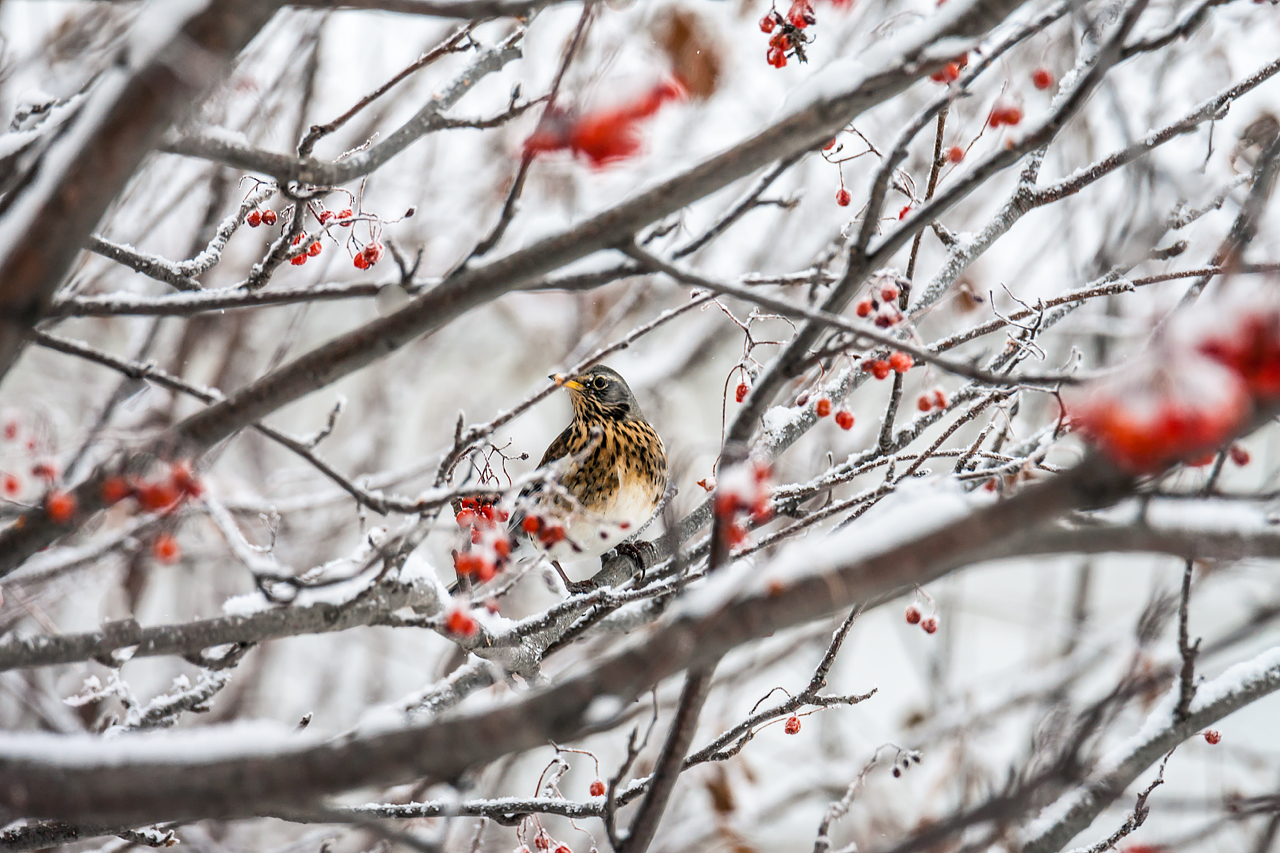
[1042,78]
[10,430]
[880,369]
[314,249]
[542,841]
[564,848]
[460,623]
[165,548]
[360,262]
[844,419]
[502,547]
[913,614]
[1212,736]
[940,398]
[902,214]
[158,496]
[740,393]
[792,726]
[822,407]
[466,518]
[60,506]
[268,217]
[115,489]
[777,57]
[44,470]
[531,524]
[1012,115]
[1239,455]
[372,253]
[801,14]
[767,23]
[12,485]
[924,404]
[185,479]
[829,145]
[346,214]
[299,260]
[551,534]
[865,306]
[254,219]
[901,361]
[843,197]
[889,292]
[930,625]
[955,154]
[948,73]
[324,216]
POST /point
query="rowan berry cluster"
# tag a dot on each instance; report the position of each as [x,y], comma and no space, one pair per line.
[786,34]
[880,368]
[822,407]
[881,306]
[1185,401]
[928,624]
[1004,113]
[460,623]
[490,548]
[742,496]
[950,72]
[930,400]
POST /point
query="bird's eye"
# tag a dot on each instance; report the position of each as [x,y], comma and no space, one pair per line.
[601,383]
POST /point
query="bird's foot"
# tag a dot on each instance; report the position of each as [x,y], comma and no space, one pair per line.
[638,551]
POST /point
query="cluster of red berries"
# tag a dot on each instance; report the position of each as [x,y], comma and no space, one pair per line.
[460,623]
[490,546]
[368,256]
[897,362]
[1181,404]
[547,533]
[881,305]
[742,494]
[1004,114]
[544,841]
[935,399]
[789,36]
[928,624]
[822,408]
[165,494]
[260,216]
[950,72]
[312,249]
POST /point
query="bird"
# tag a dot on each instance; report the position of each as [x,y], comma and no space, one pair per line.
[610,474]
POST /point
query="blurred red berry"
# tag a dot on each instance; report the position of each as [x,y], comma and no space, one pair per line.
[460,623]
[767,23]
[299,260]
[940,398]
[360,262]
[844,419]
[597,788]
[254,219]
[881,369]
[889,292]
[1239,455]
[777,57]
[158,496]
[166,549]
[924,404]
[829,145]
[314,249]
[948,73]
[955,154]
[466,518]
[372,253]
[531,524]
[10,430]
[843,197]
[913,615]
[792,726]
[800,15]
[11,485]
[901,361]
[268,217]
[1213,737]
[115,489]
[60,506]
[185,480]
[44,470]
[929,625]
[822,407]
[346,214]
[902,214]
[324,216]
[1042,78]
[865,306]
[740,393]
[542,841]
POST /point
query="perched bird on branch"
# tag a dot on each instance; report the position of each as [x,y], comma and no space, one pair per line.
[610,473]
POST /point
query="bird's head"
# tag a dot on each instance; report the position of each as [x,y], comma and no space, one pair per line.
[599,393]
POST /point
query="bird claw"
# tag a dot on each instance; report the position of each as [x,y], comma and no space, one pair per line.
[572,587]
[639,552]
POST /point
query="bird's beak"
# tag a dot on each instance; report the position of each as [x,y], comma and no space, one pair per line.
[563,381]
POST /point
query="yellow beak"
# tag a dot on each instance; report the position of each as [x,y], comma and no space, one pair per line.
[563,381]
